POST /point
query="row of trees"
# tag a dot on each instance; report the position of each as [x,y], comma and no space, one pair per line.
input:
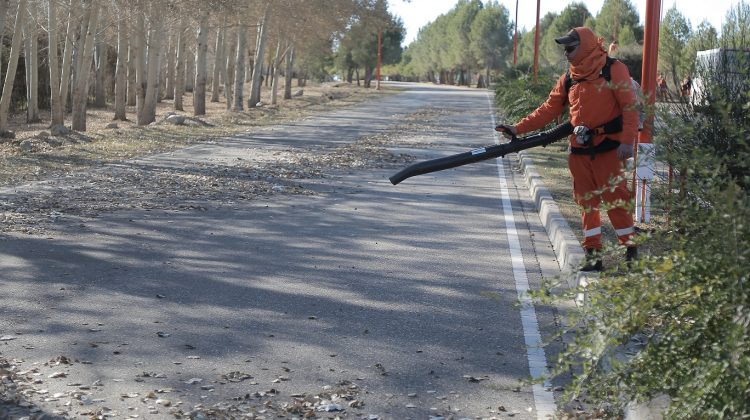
[470,37]
[137,52]
[476,38]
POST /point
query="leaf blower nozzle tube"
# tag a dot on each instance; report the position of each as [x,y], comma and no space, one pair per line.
[499,150]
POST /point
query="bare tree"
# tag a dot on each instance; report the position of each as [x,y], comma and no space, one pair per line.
[121,80]
[31,58]
[11,71]
[229,67]
[179,85]
[169,89]
[239,75]
[276,70]
[218,60]
[259,54]
[288,73]
[81,88]
[100,67]
[199,92]
[56,111]
[152,79]
[4,6]
[140,66]
[66,70]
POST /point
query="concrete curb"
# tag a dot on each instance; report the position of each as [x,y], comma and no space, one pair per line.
[567,247]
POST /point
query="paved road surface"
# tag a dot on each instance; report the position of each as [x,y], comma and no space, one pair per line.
[403,296]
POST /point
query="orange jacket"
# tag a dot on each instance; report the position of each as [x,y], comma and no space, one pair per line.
[592,101]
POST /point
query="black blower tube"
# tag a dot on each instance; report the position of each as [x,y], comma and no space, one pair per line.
[499,150]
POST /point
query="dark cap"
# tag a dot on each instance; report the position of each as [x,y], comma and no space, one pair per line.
[571,38]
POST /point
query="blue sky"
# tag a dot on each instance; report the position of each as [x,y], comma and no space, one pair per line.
[418,13]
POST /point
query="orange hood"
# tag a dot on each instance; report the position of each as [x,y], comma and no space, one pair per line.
[590,58]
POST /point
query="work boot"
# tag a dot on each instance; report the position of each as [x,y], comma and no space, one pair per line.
[631,254]
[593,260]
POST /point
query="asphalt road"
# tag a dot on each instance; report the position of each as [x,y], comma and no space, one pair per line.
[405,297]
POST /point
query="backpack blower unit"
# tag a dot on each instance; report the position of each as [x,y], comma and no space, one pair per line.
[542,138]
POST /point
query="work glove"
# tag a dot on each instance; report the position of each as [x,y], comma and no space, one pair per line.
[625,151]
[508,131]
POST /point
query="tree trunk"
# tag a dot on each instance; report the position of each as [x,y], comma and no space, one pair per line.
[276,71]
[152,78]
[100,61]
[239,75]
[4,6]
[288,74]
[190,69]
[259,54]
[169,88]
[179,85]
[368,76]
[121,80]
[131,74]
[67,68]
[199,92]
[218,60]
[140,66]
[81,90]
[15,52]
[56,112]
[32,68]
[231,57]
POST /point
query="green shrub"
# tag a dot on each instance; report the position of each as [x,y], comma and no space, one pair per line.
[517,95]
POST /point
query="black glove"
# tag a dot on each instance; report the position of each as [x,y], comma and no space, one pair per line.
[508,131]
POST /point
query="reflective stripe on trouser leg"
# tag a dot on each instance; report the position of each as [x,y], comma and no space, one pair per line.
[592,229]
[625,234]
[592,232]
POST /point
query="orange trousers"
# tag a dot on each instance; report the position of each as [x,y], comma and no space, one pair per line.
[596,180]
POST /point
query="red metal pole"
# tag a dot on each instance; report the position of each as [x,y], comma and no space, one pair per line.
[515,37]
[377,87]
[648,85]
[536,40]
[650,62]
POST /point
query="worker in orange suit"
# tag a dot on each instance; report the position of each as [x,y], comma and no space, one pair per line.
[598,91]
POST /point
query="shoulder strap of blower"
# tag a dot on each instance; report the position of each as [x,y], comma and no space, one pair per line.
[606,73]
[613,126]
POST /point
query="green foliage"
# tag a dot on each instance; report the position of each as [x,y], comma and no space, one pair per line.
[517,95]
[573,16]
[673,37]
[491,36]
[358,46]
[736,30]
[704,38]
[614,16]
[469,38]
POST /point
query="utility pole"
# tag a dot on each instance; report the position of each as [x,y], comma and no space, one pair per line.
[536,41]
[515,37]
[644,152]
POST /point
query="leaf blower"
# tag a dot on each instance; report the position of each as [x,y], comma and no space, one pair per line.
[542,138]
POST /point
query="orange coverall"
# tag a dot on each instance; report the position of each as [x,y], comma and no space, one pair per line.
[592,104]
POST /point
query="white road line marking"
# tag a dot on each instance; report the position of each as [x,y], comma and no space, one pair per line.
[544,399]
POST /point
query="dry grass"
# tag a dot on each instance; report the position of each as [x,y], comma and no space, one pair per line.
[34,154]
